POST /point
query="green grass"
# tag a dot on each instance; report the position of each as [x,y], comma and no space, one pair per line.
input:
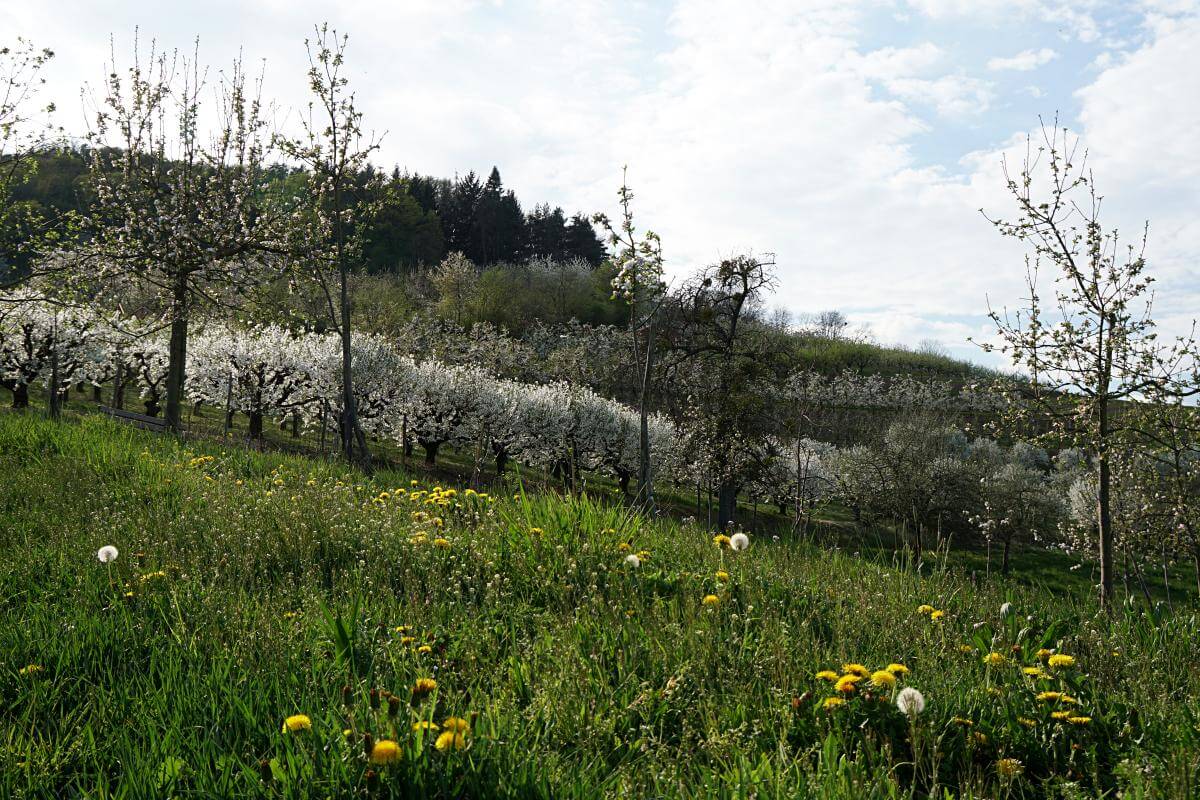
[284,580]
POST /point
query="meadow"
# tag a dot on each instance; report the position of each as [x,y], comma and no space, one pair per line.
[280,626]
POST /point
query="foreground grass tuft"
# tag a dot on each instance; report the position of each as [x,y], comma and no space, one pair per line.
[275,626]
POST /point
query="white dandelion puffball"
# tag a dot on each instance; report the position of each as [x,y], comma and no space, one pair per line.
[910,701]
[632,560]
[106,554]
[739,541]
[1005,609]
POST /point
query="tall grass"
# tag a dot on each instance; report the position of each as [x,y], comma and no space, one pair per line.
[251,587]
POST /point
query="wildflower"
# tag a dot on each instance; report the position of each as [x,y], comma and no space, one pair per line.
[407,639]
[450,740]
[32,669]
[832,702]
[1043,654]
[1044,697]
[966,648]
[457,724]
[425,725]
[1009,768]
[385,751]
[721,540]
[964,722]
[1079,720]
[846,683]
[536,531]
[1060,660]
[643,554]
[632,560]
[1060,714]
[827,675]
[897,669]
[994,659]
[910,701]
[722,576]
[883,679]
[423,686]
[739,542]
[107,554]
[624,547]
[1035,672]
[1027,722]
[297,722]
[424,649]
[711,600]
[938,614]
[442,543]
[856,669]
[925,608]
[1005,609]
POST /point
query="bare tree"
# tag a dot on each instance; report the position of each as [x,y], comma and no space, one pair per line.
[334,150]
[1097,344]
[639,282]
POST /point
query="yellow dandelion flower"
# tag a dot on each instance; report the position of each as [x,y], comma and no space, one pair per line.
[846,683]
[442,543]
[457,724]
[722,576]
[827,675]
[883,679]
[536,531]
[1027,722]
[424,649]
[451,740]
[897,669]
[425,725]
[1035,672]
[1009,768]
[1059,660]
[721,540]
[936,615]
[385,751]
[963,721]
[833,702]
[1060,714]
[856,669]
[966,648]
[925,608]
[407,639]
[1075,720]
[624,547]
[31,669]
[297,722]
[711,600]
[423,686]
[994,659]
[1043,654]
[1045,697]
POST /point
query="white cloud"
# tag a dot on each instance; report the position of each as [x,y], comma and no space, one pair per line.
[1024,61]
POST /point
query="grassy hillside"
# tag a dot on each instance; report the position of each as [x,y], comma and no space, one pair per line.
[251,588]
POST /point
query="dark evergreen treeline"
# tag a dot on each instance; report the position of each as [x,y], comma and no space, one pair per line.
[421,218]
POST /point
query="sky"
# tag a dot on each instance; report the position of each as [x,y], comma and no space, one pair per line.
[856,140]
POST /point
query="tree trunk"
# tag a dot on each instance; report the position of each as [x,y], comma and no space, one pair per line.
[431,451]
[96,396]
[20,394]
[177,355]
[726,505]
[56,393]
[256,425]
[501,461]
[645,485]
[1007,548]
[1104,520]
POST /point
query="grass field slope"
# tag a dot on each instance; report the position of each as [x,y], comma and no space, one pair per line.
[276,626]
